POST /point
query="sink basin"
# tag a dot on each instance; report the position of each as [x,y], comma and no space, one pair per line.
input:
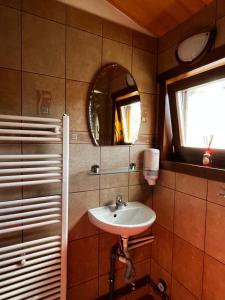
[126,221]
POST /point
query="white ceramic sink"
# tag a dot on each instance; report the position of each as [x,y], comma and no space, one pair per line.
[126,221]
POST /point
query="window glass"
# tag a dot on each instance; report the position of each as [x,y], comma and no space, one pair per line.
[201,114]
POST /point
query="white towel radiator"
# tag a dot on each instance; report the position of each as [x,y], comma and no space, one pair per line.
[34,269]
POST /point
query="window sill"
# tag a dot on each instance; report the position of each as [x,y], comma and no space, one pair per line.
[194,170]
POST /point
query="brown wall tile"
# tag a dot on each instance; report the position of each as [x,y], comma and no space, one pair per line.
[137,155]
[43,53]
[158,273]
[85,291]
[117,32]
[191,185]
[215,224]
[11,3]
[10,33]
[141,193]
[83,20]
[220,8]
[215,193]
[179,292]
[188,266]
[162,247]
[189,219]
[10,92]
[166,179]
[83,260]
[143,70]
[50,9]
[163,204]
[214,277]
[114,52]
[79,224]
[83,55]
[76,104]
[37,90]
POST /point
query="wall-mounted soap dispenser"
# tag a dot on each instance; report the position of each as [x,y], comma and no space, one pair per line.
[151,165]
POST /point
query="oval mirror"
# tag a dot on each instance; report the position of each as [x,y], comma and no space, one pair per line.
[114,110]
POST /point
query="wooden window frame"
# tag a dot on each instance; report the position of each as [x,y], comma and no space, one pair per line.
[191,156]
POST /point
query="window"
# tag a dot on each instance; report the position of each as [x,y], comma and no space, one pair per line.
[197,106]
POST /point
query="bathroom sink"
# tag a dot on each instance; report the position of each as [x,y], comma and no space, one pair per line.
[126,221]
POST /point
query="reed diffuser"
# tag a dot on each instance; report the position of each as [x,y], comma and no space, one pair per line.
[207,156]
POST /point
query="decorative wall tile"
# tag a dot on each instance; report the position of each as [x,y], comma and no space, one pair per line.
[43,95]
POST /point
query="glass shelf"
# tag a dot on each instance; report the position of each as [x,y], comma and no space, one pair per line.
[114,171]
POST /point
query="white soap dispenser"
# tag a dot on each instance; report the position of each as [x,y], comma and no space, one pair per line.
[151,165]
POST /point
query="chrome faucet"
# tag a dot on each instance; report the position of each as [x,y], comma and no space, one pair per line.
[120,202]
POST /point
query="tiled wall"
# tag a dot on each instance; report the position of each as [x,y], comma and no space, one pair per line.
[49,49]
[189,252]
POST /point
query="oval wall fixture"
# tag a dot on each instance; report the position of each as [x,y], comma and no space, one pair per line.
[192,48]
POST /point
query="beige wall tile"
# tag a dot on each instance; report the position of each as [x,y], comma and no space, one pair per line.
[137,155]
[37,90]
[76,104]
[166,178]
[143,70]
[10,92]
[158,273]
[84,20]
[189,219]
[148,113]
[43,53]
[11,3]
[10,33]
[220,40]
[141,193]
[170,39]
[162,247]
[79,224]
[191,185]
[85,291]
[113,180]
[80,137]
[117,32]
[82,64]
[114,157]
[144,42]
[188,266]
[136,178]
[215,189]
[214,277]
[179,292]
[82,157]
[167,60]
[50,9]
[108,196]
[215,224]
[114,52]
[83,260]
[163,205]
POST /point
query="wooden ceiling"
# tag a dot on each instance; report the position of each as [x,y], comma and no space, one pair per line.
[159,16]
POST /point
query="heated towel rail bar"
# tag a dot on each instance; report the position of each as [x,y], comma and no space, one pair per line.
[34,269]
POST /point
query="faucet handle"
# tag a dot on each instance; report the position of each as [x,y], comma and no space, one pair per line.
[119,198]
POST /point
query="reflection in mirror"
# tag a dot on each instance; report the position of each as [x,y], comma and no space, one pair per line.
[114,107]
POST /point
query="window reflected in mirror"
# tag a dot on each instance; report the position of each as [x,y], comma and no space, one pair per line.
[114,107]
